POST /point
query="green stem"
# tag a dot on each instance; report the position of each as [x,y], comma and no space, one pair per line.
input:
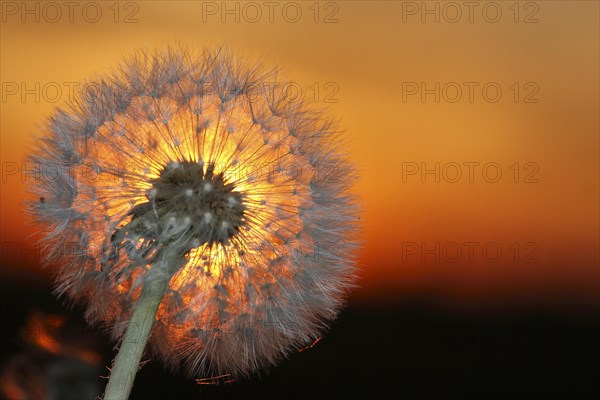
[138,331]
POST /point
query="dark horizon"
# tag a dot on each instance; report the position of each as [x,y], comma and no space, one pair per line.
[405,348]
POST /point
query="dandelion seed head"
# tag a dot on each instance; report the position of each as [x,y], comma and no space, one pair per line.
[196,153]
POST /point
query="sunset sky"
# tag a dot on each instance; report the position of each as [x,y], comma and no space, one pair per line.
[476,142]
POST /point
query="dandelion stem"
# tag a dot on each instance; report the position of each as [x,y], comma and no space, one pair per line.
[128,358]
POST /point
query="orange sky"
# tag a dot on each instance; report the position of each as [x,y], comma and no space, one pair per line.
[542,132]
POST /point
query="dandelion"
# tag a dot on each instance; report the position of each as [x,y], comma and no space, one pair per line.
[194,206]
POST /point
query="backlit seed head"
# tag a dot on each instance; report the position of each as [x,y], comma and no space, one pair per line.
[190,152]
